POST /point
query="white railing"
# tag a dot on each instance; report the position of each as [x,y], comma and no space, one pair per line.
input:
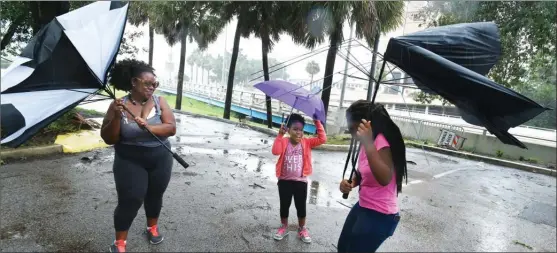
[256,100]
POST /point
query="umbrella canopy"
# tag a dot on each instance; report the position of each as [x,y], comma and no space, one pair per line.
[295,96]
[451,61]
[63,64]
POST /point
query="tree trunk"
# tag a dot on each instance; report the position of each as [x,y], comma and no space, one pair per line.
[181,67]
[191,70]
[230,84]
[330,67]
[196,74]
[7,38]
[151,43]
[202,75]
[311,82]
[45,11]
[208,77]
[265,51]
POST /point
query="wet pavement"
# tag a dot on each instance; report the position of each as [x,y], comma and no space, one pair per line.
[227,200]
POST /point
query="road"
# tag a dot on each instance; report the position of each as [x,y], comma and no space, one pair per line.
[65,203]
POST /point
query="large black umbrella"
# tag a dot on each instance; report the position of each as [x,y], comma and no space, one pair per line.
[452,61]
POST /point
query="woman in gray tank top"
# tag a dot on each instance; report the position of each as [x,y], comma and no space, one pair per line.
[142,167]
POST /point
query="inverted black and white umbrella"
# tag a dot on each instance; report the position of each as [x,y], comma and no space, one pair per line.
[66,62]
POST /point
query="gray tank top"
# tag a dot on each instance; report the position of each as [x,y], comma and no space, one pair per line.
[132,134]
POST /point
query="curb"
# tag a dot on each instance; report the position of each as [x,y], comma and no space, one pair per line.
[490,160]
[344,148]
[31,152]
[486,159]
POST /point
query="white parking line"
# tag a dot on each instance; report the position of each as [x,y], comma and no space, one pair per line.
[434,177]
[416,182]
[445,173]
[413,182]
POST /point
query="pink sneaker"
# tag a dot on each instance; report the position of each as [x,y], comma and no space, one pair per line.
[303,234]
[281,232]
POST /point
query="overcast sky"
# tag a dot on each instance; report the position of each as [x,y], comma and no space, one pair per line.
[284,50]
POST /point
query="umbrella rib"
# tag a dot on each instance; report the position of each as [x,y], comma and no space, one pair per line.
[306,85]
[324,48]
[288,92]
[273,71]
[413,126]
[354,57]
[352,63]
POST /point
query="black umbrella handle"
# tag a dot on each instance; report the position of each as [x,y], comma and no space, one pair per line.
[178,158]
[345,195]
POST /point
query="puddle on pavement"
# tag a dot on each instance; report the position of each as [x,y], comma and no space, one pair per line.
[181,139]
[492,235]
[442,159]
[313,189]
[247,162]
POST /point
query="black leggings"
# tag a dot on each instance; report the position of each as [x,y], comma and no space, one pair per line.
[141,175]
[287,189]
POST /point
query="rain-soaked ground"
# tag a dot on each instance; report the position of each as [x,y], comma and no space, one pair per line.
[228,201]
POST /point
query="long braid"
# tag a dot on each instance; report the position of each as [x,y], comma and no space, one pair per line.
[382,123]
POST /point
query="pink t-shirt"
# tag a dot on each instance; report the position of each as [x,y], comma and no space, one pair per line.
[293,163]
[372,195]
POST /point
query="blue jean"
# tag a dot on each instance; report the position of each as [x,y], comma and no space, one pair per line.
[365,230]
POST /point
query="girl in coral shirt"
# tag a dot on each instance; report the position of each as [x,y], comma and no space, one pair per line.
[292,169]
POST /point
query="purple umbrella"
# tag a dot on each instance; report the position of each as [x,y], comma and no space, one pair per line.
[295,96]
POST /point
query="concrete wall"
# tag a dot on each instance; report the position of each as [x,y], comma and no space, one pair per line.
[480,144]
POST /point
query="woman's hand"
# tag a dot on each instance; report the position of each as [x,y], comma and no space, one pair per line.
[141,122]
[346,187]
[365,132]
[118,107]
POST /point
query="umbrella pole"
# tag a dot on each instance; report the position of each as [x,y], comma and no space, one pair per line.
[378,81]
[291,110]
[176,156]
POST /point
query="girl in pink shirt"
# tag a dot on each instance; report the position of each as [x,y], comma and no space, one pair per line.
[293,168]
[381,168]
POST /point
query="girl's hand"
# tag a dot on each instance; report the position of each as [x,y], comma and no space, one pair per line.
[346,187]
[141,122]
[282,130]
[365,132]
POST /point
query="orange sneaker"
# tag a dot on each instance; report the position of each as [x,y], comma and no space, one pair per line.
[118,246]
[153,235]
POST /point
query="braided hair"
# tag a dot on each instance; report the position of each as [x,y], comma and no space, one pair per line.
[121,75]
[381,123]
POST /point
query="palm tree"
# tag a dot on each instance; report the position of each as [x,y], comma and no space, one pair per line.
[195,58]
[138,15]
[191,62]
[207,60]
[312,68]
[327,19]
[178,21]
[264,19]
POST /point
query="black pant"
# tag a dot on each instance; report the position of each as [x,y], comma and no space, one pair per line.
[299,190]
[365,230]
[141,175]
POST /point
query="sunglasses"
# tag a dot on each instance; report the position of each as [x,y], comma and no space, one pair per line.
[148,84]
